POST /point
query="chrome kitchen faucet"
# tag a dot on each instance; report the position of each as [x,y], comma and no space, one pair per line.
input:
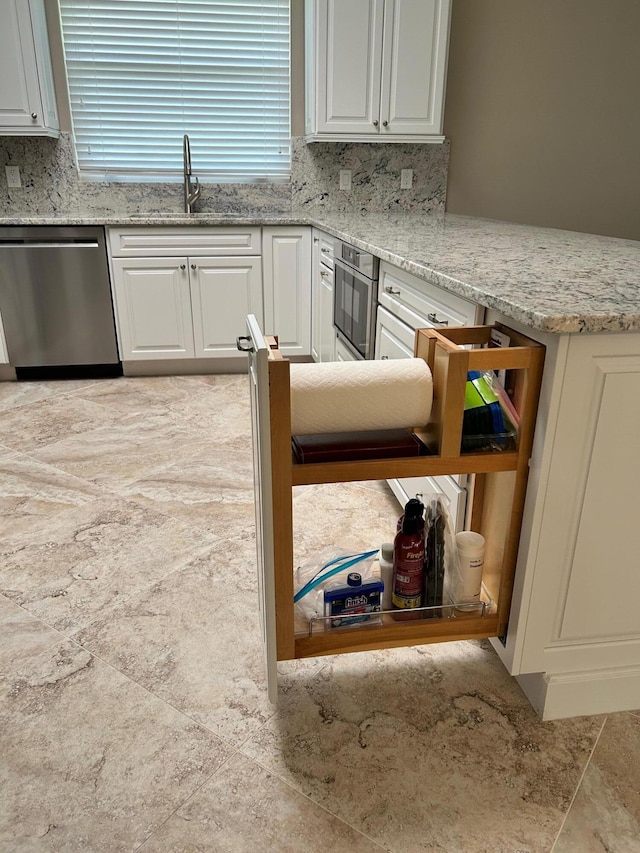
[191,192]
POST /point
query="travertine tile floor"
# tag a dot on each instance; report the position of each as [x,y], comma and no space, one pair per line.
[133,713]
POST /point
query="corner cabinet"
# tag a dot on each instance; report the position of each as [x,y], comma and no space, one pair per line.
[376,70]
[501,479]
[27,95]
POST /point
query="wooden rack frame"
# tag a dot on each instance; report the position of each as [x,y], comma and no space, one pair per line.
[498,495]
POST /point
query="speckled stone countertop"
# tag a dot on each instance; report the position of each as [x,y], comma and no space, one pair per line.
[551,280]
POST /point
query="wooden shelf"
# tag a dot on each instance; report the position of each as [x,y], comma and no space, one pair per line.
[500,479]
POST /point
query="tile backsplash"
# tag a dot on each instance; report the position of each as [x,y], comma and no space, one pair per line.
[50,182]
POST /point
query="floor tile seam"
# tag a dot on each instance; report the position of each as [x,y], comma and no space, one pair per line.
[224,763]
[195,525]
[124,598]
[52,645]
[54,395]
[298,790]
[162,699]
[578,786]
[227,743]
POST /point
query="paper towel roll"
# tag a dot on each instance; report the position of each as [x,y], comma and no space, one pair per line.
[348,396]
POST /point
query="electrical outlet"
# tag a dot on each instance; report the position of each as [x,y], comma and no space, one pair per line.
[13,177]
[345,179]
[406,179]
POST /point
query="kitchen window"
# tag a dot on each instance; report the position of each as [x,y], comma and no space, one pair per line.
[144,72]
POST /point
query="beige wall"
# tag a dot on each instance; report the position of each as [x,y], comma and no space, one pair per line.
[543,113]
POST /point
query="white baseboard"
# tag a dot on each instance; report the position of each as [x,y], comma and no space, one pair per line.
[575,694]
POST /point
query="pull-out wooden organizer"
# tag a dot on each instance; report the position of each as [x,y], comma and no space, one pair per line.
[498,495]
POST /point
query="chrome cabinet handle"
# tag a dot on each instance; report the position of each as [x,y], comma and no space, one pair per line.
[316,239]
[194,267]
[432,318]
[244,344]
[325,251]
[392,290]
[375,122]
[183,266]
[385,124]
[383,357]
[324,273]
[34,116]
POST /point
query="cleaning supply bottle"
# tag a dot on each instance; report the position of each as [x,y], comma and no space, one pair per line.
[408,562]
[413,508]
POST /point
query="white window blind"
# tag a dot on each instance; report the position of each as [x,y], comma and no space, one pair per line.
[144,72]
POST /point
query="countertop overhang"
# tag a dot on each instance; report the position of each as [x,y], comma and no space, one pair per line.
[562,282]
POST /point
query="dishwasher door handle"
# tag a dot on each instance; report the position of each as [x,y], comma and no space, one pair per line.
[93,244]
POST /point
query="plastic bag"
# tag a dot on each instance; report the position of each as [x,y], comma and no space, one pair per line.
[333,564]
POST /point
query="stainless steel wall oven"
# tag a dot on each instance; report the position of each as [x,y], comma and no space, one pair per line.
[355,298]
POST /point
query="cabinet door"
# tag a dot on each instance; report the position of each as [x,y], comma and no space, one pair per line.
[414,66]
[153,308]
[27,99]
[316,330]
[262,480]
[223,292]
[286,256]
[327,330]
[347,68]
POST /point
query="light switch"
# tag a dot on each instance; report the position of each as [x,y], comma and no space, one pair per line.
[13,177]
[345,179]
[406,179]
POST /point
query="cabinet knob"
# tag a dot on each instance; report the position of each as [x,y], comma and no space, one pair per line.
[183,266]
[394,291]
[385,124]
[34,116]
[432,318]
[383,357]
[193,266]
[375,122]
[316,239]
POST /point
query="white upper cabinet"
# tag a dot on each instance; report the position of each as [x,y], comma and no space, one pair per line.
[27,97]
[376,69]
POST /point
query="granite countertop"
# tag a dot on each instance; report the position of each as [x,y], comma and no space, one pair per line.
[551,280]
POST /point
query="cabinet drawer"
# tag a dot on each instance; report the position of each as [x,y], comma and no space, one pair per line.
[165,242]
[422,304]
[325,244]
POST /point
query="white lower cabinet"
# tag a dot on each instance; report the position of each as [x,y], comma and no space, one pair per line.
[286,264]
[153,308]
[574,629]
[323,333]
[185,292]
[184,307]
[223,292]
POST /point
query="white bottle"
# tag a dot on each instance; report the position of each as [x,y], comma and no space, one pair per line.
[386,573]
[470,548]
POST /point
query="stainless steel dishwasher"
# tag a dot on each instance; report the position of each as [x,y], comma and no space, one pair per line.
[55,302]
